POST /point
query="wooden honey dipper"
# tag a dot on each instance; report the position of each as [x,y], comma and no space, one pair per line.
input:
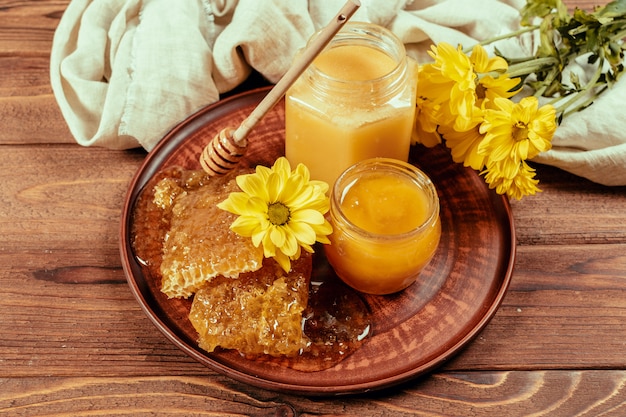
[227,147]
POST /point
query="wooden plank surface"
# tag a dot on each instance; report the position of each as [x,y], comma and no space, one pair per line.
[544,393]
[28,110]
[75,342]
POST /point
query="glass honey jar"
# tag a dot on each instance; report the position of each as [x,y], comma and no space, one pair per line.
[386,226]
[355,101]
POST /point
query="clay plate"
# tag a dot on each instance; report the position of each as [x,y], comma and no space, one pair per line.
[413,331]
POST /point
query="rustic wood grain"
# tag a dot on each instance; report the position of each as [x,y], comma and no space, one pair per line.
[544,393]
[75,342]
[554,216]
[28,112]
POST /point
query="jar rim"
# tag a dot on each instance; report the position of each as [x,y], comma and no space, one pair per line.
[378,164]
[366,34]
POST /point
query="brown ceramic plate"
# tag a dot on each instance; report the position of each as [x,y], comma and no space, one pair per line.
[413,331]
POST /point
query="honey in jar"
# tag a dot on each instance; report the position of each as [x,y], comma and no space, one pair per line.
[386,227]
[355,101]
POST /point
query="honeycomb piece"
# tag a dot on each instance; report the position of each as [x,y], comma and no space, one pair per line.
[258,313]
[199,244]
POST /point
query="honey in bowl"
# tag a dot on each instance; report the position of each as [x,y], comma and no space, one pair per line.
[386,227]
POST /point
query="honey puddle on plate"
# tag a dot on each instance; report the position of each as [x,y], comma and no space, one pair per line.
[307,319]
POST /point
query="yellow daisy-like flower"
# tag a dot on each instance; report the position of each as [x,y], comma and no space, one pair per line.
[521,184]
[464,146]
[450,81]
[492,80]
[455,88]
[515,132]
[490,88]
[426,123]
[281,209]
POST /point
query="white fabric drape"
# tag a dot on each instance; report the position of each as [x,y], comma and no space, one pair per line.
[124,72]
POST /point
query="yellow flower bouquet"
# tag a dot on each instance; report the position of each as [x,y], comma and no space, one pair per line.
[469,100]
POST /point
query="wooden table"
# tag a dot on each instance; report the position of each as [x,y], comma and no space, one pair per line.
[74,341]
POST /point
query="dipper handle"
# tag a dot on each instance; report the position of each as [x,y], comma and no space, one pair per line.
[226,149]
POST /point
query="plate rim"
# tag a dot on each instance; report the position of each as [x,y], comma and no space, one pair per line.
[168,144]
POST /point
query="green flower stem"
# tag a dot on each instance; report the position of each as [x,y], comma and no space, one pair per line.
[531,66]
[509,35]
[570,99]
[547,83]
[619,35]
[616,22]
[585,103]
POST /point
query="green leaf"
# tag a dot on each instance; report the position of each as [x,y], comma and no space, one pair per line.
[575,80]
[612,10]
[541,9]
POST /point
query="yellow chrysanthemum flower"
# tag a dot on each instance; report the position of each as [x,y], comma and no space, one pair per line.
[455,88]
[281,209]
[521,184]
[490,88]
[426,123]
[492,80]
[515,132]
[464,146]
[450,81]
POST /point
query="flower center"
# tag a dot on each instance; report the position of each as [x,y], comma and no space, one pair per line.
[278,213]
[520,132]
[481,92]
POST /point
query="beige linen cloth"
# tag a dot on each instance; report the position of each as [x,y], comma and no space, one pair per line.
[124,72]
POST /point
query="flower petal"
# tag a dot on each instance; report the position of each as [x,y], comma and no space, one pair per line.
[307,216]
[291,245]
[283,260]
[235,203]
[303,232]
[253,185]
